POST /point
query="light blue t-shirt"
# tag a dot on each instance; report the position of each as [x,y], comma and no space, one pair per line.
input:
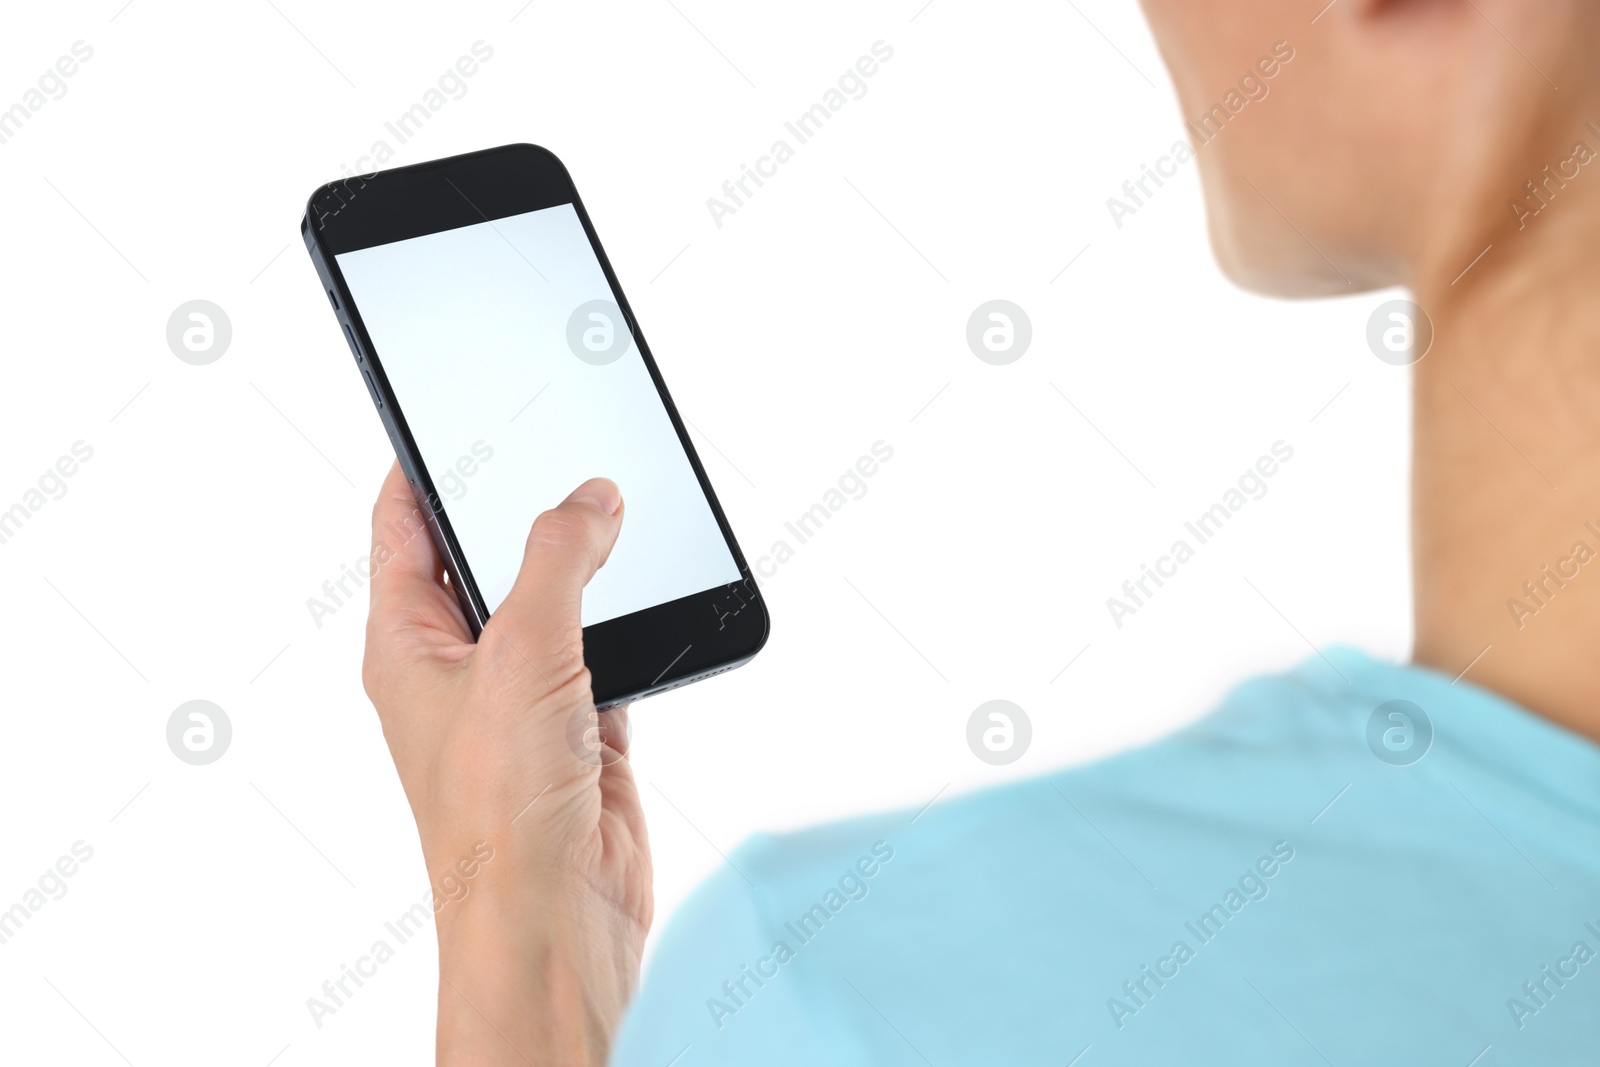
[1350,864]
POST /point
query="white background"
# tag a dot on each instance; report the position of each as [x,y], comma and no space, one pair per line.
[826,314]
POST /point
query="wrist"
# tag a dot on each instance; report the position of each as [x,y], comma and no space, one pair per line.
[530,976]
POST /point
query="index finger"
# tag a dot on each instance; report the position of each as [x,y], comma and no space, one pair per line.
[407,576]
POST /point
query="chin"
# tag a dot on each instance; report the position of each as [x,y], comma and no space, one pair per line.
[1273,259]
[1262,252]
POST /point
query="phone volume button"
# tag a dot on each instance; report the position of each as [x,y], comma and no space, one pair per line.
[349,335]
[372,387]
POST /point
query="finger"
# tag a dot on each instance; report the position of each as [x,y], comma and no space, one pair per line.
[619,790]
[407,577]
[540,618]
[615,731]
[620,799]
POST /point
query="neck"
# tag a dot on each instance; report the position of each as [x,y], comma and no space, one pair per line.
[1506,465]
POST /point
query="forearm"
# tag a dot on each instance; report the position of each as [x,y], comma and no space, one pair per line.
[544,986]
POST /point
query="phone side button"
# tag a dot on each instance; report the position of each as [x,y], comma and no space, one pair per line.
[349,335]
[372,387]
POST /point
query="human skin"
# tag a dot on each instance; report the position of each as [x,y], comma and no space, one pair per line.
[1385,154]
[1388,153]
[537,964]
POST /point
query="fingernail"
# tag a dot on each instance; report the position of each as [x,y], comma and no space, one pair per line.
[601,494]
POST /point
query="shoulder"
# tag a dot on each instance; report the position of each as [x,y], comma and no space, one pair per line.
[804,942]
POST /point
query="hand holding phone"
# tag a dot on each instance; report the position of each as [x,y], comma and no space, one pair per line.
[502,754]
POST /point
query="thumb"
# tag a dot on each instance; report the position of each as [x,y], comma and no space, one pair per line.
[540,618]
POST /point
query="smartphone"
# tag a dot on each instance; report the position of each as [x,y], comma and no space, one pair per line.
[507,367]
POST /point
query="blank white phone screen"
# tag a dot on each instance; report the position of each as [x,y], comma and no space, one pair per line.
[519,380]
